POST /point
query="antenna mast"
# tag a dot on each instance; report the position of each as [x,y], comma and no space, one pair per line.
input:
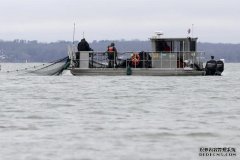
[192,30]
[73,32]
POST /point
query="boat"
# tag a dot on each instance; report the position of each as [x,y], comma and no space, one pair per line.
[169,57]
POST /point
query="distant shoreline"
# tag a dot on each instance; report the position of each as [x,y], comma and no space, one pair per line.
[18,51]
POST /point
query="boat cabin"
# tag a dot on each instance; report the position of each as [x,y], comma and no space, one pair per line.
[173,52]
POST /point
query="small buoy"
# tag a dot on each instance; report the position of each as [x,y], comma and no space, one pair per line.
[129,71]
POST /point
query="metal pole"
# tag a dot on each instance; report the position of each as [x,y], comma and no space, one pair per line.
[92,58]
[97,58]
[143,61]
[161,58]
[178,57]
[183,60]
[73,33]
[192,30]
[170,59]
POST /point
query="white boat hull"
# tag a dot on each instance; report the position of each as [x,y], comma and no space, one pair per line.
[135,72]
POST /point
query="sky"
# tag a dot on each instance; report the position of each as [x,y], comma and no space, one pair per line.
[216,21]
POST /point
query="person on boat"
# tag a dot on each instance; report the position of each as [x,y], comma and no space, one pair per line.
[82,46]
[112,55]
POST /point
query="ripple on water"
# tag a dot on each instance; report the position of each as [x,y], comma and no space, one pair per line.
[122,117]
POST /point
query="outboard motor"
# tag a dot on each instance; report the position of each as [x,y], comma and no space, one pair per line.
[220,67]
[211,67]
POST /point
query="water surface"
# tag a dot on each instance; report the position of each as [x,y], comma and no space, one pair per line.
[118,118]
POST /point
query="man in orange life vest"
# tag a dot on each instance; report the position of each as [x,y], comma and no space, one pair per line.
[112,56]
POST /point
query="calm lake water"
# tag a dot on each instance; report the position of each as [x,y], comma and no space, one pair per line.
[118,118]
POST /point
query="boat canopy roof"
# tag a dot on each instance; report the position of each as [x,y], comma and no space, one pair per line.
[172,38]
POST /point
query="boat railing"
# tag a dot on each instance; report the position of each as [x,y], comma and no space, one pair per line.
[191,59]
[172,60]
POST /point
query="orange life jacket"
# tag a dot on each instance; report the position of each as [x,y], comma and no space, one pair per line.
[110,49]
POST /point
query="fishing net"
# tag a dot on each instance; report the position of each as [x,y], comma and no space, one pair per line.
[45,69]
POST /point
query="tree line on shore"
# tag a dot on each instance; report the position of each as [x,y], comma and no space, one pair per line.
[34,51]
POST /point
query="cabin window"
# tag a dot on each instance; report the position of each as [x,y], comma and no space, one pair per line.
[193,46]
[163,46]
[177,46]
[182,46]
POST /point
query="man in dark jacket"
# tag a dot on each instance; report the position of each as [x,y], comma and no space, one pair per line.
[83,45]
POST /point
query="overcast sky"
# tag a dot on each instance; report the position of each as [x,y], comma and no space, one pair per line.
[52,20]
